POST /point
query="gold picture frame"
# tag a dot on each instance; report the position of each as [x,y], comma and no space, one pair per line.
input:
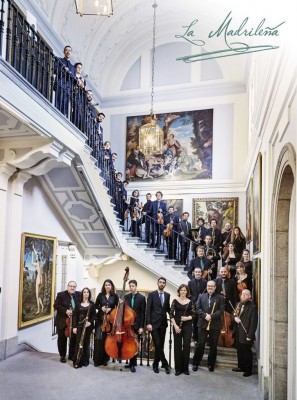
[223,209]
[249,211]
[37,279]
[257,204]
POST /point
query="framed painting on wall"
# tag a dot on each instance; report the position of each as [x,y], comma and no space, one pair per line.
[177,147]
[177,204]
[257,282]
[223,209]
[249,211]
[37,279]
[257,195]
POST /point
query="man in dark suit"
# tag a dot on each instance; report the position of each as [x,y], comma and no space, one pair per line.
[246,319]
[136,301]
[184,228]
[196,286]
[227,288]
[209,307]
[147,216]
[200,261]
[63,84]
[212,252]
[158,209]
[156,318]
[64,304]
[198,235]
[214,233]
[171,240]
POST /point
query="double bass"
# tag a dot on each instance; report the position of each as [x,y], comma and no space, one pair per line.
[121,343]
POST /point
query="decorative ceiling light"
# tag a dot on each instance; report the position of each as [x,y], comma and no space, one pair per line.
[151,136]
[94,7]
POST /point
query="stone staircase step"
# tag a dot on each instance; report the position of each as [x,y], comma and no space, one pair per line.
[132,239]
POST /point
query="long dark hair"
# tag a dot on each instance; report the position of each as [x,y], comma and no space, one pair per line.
[82,295]
[112,291]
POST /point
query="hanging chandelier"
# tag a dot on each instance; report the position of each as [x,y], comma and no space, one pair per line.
[94,7]
[151,136]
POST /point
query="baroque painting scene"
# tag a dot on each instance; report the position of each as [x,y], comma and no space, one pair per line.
[178,147]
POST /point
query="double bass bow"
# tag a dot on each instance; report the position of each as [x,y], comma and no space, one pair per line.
[121,342]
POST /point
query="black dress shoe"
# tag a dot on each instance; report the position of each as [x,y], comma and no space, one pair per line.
[70,358]
[167,370]
[177,373]
[62,360]
[195,368]
[105,363]
[156,370]
[247,374]
[237,370]
[210,369]
[132,369]
[186,372]
[96,365]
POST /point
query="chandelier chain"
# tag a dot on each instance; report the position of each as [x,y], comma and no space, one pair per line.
[155,5]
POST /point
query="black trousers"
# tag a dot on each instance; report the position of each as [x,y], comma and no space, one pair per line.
[62,344]
[158,336]
[184,251]
[85,355]
[195,328]
[213,344]
[100,356]
[182,346]
[245,357]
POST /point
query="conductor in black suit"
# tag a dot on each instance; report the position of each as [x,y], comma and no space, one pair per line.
[136,301]
[65,303]
[196,286]
[209,307]
[246,319]
[156,318]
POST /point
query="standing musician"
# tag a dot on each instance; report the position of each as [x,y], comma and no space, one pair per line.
[184,228]
[181,313]
[83,319]
[171,221]
[209,307]
[65,304]
[214,233]
[147,216]
[200,261]
[248,265]
[156,319]
[135,208]
[242,279]
[158,211]
[212,252]
[230,259]
[197,286]
[226,287]
[106,301]
[198,235]
[136,301]
[226,235]
[246,318]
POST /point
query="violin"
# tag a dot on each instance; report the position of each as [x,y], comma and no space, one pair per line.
[167,230]
[160,219]
[121,342]
[105,326]
[68,327]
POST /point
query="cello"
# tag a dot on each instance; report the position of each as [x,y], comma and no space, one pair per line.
[121,342]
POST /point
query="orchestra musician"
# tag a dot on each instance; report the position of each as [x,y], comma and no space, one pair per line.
[209,307]
[147,216]
[65,303]
[248,265]
[181,313]
[246,318]
[214,233]
[105,302]
[198,235]
[238,239]
[212,252]
[83,320]
[196,286]
[135,208]
[230,259]
[158,212]
[184,228]
[226,234]
[200,261]
[242,279]
[136,301]
[226,287]
[171,221]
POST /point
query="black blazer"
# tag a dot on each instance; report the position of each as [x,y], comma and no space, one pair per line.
[62,304]
[195,262]
[196,287]
[156,315]
[203,307]
[217,236]
[249,319]
[174,218]
[139,308]
[230,289]
[185,228]
[155,208]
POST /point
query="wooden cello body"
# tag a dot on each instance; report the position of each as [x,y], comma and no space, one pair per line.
[121,343]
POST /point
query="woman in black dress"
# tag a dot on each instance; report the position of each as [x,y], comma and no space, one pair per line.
[248,265]
[106,301]
[181,312]
[135,208]
[84,314]
[230,258]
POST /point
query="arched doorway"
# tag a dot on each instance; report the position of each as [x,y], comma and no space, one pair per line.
[283,235]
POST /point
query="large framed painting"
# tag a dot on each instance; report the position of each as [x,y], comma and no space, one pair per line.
[177,204]
[178,147]
[257,195]
[37,279]
[249,211]
[223,209]
[257,282]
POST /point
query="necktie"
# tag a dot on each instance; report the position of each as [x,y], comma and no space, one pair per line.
[158,205]
[209,297]
[72,303]
[223,287]
[162,298]
[187,228]
[132,300]
[241,310]
[201,264]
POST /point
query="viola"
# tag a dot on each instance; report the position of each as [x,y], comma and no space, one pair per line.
[167,230]
[121,342]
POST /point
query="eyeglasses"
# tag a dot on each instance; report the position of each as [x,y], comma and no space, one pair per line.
[72,286]
[210,286]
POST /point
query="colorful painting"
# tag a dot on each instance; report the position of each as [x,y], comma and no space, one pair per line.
[177,204]
[222,209]
[249,211]
[37,279]
[177,147]
[257,194]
